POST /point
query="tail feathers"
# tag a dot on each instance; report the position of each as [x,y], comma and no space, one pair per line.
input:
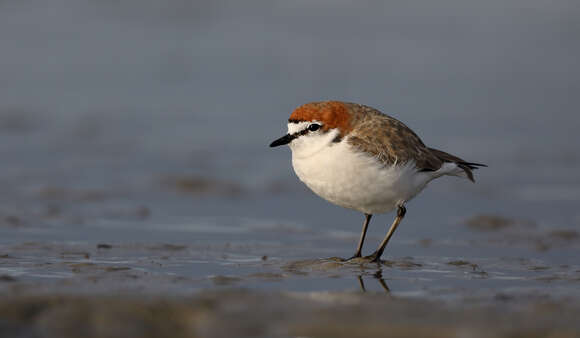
[467,167]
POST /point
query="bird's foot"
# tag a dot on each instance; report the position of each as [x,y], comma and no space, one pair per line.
[355,256]
[375,257]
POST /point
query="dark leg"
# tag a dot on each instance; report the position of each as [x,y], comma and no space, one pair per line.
[376,256]
[362,236]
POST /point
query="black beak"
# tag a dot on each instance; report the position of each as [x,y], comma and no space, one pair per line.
[283,140]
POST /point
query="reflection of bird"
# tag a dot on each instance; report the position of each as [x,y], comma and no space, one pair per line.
[378,275]
[356,157]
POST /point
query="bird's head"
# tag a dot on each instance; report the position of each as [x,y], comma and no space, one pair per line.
[314,126]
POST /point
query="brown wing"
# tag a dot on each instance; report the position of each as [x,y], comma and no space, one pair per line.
[390,140]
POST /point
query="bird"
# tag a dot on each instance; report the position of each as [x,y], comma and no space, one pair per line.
[359,158]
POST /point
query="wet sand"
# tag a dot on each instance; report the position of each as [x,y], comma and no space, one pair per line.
[277,314]
[79,262]
[160,289]
[101,263]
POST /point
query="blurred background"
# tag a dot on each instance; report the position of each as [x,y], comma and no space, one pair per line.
[114,111]
[134,161]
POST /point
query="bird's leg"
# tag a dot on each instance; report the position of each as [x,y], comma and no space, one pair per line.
[376,256]
[362,236]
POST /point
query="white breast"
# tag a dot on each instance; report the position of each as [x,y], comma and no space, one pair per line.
[357,180]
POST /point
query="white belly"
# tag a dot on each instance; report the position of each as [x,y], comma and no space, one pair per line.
[357,180]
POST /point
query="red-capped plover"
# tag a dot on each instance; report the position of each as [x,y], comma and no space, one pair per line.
[359,158]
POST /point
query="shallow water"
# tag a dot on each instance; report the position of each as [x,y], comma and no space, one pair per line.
[134,144]
[126,251]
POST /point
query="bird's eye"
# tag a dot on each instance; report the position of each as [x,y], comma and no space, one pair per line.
[314,127]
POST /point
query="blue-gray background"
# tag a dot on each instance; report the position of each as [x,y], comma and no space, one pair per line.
[101,102]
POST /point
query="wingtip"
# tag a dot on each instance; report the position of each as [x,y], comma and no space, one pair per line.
[475,165]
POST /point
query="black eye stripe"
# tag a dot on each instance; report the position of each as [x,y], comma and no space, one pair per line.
[302,132]
[305,131]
